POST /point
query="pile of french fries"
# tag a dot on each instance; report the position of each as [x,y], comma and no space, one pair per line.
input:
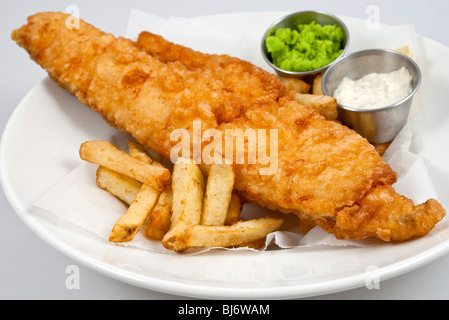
[181,209]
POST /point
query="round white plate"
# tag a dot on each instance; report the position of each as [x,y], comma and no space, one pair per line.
[40,146]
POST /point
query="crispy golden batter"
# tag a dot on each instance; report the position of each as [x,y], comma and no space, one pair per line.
[384,215]
[240,77]
[326,172]
[230,71]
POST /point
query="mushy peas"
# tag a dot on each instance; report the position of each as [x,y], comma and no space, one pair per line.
[307,47]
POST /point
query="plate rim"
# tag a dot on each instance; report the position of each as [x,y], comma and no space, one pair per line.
[192,290]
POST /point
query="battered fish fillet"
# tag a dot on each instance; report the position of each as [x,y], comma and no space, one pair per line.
[240,77]
[326,172]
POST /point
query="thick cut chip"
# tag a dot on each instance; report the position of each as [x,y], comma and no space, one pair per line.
[220,183]
[117,184]
[105,154]
[188,190]
[234,210]
[226,236]
[132,221]
[159,220]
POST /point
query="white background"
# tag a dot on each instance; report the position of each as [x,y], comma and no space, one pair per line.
[31,269]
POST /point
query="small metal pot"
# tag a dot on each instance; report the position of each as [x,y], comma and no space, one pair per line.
[304,17]
[379,125]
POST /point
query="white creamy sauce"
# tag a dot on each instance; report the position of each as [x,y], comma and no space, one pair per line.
[375,90]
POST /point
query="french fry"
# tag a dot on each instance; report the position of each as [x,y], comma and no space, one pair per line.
[105,154]
[227,236]
[159,220]
[188,191]
[317,88]
[119,185]
[295,84]
[381,148]
[137,151]
[325,105]
[406,50]
[132,221]
[174,215]
[220,183]
[256,244]
[234,210]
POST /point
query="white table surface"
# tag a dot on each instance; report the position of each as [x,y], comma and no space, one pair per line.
[32,269]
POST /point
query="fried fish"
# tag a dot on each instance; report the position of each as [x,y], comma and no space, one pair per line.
[230,71]
[325,171]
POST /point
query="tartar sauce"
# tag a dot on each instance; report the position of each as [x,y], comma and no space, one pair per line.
[375,90]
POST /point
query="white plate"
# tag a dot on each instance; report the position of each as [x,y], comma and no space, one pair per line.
[40,146]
